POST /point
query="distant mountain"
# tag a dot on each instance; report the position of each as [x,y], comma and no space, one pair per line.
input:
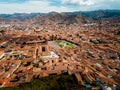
[59,18]
[98,14]
[21,16]
[54,15]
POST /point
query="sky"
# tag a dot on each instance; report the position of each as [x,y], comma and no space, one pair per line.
[45,6]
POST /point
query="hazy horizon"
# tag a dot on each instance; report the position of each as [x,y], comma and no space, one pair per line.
[58,12]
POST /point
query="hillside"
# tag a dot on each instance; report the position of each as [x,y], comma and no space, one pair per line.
[87,14]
